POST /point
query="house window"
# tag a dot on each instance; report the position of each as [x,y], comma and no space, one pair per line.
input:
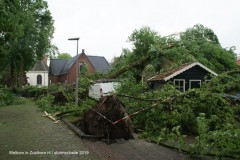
[39,79]
[194,84]
[83,68]
[180,84]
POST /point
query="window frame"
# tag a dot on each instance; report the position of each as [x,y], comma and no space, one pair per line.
[39,79]
[179,87]
[195,80]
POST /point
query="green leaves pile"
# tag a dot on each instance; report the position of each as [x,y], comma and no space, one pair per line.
[204,113]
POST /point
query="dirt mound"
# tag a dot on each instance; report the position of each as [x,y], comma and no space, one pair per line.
[100,119]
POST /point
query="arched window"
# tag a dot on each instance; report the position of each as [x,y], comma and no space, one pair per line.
[39,79]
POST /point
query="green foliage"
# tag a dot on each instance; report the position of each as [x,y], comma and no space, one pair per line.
[223,142]
[176,135]
[204,113]
[26,32]
[226,141]
[33,91]
[198,43]
[144,41]
[83,69]
[225,83]
[200,146]
[8,98]
[64,56]
[45,103]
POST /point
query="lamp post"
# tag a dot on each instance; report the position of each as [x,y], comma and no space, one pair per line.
[76,87]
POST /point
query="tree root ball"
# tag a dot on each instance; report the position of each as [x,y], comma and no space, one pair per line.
[113,109]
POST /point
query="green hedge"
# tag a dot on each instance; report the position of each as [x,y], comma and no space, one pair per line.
[8,98]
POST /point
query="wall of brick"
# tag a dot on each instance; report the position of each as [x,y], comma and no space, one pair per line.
[72,72]
[71,76]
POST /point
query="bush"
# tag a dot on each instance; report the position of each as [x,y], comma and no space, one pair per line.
[45,103]
[8,98]
[33,91]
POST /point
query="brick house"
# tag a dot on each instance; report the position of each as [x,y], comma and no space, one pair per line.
[64,71]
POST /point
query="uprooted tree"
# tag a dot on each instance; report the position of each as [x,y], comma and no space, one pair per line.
[152,49]
[109,119]
[196,112]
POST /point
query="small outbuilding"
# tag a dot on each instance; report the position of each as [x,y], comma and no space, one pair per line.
[38,75]
[184,77]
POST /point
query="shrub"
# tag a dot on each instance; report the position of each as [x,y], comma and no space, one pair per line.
[8,98]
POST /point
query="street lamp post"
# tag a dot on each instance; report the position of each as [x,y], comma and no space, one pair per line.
[76,87]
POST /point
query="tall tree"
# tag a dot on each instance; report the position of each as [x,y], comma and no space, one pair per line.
[25,35]
[64,56]
[198,43]
[202,43]
[145,42]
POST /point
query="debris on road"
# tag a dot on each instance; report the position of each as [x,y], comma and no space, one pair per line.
[50,117]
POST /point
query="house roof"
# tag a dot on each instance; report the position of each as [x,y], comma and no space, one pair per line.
[62,66]
[69,63]
[165,76]
[100,64]
[40,66]
[57,66]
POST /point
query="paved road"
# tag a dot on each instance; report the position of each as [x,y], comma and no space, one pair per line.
[23,129]
[26,134]
[137,149]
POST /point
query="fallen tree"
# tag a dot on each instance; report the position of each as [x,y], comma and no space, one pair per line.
[99,120]
[128,67]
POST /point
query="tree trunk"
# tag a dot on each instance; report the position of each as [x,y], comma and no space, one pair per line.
[21,72]
[12,75]
[126,68]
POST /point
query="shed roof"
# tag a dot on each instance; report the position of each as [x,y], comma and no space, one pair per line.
[165,76]
[40,66]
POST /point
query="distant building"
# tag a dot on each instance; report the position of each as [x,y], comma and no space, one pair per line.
[64,71]
[184,77]
[238,61]
[38,75]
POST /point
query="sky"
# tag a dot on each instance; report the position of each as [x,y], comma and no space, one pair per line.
[105,25]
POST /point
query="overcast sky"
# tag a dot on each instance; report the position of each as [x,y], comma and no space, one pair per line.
[105,25]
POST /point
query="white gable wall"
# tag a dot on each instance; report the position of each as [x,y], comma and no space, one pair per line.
[32,77]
